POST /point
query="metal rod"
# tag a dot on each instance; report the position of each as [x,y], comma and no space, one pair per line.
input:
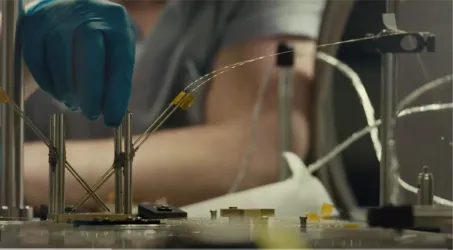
[128,151]
[52,165]
[388,115]
[11,125]
[61,166]
[285,104]
[119,178]
[96,187]
[85,186]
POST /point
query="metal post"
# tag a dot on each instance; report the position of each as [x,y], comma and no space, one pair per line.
[11,124]
[285,61]
[388,115]
[425,194]
[53,166]
[60,171]
[119,178]
[285,90]
[128,151]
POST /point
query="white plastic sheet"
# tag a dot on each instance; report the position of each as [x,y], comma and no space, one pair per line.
[300,194]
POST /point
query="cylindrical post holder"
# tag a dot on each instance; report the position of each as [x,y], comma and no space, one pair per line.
[53,159]
[128,152]
[60,170]
[119,178]
[425,194]
[12,194]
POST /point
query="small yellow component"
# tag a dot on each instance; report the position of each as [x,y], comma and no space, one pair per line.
[259,212]
[111,198]
[351,226]
[251,213]
[232,212]
[326,210]
[183,100]
[178,98]
[279,239]
[313,217]
[3,96]
[187,102]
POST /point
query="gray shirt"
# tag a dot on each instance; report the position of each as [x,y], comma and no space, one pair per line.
[180,49]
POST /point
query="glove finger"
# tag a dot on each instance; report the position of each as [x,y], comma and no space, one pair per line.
[34,55]
[89,69]
[121,59]
[59,58]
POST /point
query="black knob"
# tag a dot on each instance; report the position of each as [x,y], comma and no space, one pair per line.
[43,212]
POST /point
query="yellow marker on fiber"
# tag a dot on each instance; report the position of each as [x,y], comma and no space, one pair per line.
[326,210]
[3,96]
[313,217]
[183,100]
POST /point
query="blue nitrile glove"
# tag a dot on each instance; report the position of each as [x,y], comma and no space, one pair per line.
[82,52]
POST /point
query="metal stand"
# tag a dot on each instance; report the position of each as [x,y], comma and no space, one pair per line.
[389,42]
[12,126]
[123,166]
[119,169]
[57,160]
[122,169]
[388,114]
[129,155]
[285,62]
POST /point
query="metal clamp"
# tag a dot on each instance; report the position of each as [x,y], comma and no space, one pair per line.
[391,39]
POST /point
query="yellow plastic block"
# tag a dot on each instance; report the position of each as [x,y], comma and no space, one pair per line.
[326,210]
[259,212]
[312,217]
[278,239]
[232,212]
[3,96]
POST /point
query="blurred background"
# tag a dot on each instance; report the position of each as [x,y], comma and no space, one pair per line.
[422,139]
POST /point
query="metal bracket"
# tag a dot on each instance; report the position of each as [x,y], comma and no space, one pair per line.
[391,39]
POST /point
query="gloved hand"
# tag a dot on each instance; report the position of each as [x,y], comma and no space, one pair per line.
[81,52]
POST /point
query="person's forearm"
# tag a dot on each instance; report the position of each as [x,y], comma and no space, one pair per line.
[185,165]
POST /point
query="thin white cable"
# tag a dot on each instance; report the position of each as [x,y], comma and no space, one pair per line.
[334,62]
[253,133]
[361,133]
[361,92]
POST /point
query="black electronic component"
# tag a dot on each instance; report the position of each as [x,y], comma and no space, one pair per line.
[285,55]
[42,212]
[106,222]
[401,217]
[153,211]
